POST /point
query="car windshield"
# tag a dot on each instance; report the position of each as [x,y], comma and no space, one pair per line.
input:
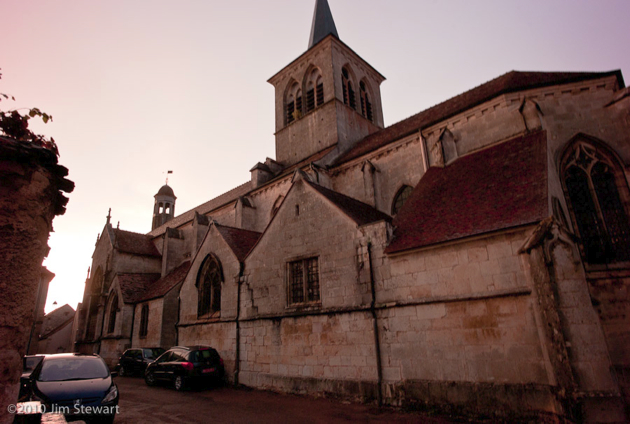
[73,368]
[152,353]
[30,362]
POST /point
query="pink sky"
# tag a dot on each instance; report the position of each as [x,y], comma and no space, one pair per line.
[139,87]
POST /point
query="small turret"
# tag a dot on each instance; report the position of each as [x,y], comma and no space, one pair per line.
[164,208]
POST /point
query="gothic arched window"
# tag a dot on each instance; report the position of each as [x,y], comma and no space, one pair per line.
[595,187]
[401,197]
[314,90]
[348,91]
[113,310]
[294,102]
[209,282]
[144,321]
[366,105]
[276,205]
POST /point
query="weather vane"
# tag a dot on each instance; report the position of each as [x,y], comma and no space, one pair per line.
[168,172]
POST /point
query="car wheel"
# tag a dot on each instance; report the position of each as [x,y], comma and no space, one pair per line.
[179,383]
[149,379]
[123,372]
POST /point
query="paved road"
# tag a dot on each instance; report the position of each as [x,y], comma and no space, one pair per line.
[139,403]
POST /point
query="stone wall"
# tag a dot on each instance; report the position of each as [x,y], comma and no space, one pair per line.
[154,325]
[30,197]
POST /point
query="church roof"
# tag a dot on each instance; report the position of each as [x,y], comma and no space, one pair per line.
[133,286]
[361,213]
[507,83]
[240,241]
[204,208]
[497,188]
[137,288]
[134,243]
[323,23]
[54,320]
[166,190]
[162,286]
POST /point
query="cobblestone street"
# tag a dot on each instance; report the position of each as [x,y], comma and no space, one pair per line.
[162,404]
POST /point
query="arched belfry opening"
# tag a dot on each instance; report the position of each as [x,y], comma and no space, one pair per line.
[164,207]
[328,96]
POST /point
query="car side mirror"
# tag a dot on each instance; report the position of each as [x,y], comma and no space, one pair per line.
[114,374]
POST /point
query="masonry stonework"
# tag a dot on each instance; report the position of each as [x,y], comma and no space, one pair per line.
[476,298]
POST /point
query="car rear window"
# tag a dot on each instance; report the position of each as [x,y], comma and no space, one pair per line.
[152,353]
[207,355]
[73,368]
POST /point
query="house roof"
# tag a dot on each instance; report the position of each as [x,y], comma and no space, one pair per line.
[133,286]
[497,188]
[507,83]
[162,286]
[240,241]
[361,213]
[135,243]
[55,319]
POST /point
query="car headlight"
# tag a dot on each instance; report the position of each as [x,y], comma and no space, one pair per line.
[112,393]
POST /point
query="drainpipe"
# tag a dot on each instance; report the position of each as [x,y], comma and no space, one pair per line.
[377,342]
[237,362]
[179,311]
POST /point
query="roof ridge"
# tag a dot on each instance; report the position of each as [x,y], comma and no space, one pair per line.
[235,228]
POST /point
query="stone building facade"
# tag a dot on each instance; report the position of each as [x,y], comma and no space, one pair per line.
[474,257]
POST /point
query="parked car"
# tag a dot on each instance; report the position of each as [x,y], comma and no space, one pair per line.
[186,365]
[76,385]
[135,361]
[29,363]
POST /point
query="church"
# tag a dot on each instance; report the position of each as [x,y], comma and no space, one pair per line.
[473,258]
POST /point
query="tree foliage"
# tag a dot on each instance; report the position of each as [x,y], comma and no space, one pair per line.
[14,124]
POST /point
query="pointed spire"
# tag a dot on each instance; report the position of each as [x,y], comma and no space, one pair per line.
[323,23]
[109,216]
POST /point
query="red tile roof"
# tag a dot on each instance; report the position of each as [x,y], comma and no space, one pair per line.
[240,241]
[359,212]
[137,288]
[133,286]
[135,243]
[162,286]
[507,83]
[497,188]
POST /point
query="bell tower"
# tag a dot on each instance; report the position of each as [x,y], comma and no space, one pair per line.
[329,96]
[164,207]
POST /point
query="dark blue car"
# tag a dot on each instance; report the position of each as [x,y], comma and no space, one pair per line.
[78,386]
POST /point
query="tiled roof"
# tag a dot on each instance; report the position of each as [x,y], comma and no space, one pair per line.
[507,83]
[162,286]
[233,194]
[359,212]
[55,319]
[312,158]
[240,241]
[133,286]
[204,208]
[497,188]
[138,244]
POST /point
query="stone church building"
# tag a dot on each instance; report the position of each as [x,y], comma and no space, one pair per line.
[474,257]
